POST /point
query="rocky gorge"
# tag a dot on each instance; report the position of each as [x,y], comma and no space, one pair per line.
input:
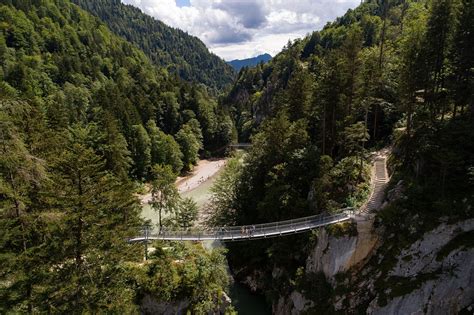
[432,275]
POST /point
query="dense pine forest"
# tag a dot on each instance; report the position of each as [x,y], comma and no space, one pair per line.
[98,101]
[84,116]
[175,50]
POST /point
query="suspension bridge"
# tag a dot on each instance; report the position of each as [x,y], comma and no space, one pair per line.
[247,232]
[275,229]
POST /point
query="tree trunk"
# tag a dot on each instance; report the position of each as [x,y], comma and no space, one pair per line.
[324,129]
[79,225]
[410,116]
[159,219]
[333,130]
[375,121]
[79,242]
[366,121]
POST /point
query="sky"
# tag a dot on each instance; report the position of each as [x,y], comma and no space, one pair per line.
[239,29]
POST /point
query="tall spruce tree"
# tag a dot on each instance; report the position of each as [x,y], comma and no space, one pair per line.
[438,35]
[98,212]
[463,59]
[22,260]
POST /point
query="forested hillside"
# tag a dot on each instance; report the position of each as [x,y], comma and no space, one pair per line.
[390,72]
[83,116]
[72,63]
[171,48]
[86,118]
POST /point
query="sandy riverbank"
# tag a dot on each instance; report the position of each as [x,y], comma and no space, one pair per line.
[201,173]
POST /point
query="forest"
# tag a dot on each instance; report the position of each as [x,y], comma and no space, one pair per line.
[387,74]
[97,99]
[84,117]
[173,49]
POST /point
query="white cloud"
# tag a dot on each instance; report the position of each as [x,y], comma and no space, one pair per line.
[245,28]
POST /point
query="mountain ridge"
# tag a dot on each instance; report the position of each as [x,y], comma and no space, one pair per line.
[176,50]
[238,64]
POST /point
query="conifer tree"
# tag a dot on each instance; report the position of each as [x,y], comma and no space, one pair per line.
[298,94]
[412,69]
[350,68]
[115,148]
[99,213]
[21,175]
[187,213]
[438,34]
[463,59]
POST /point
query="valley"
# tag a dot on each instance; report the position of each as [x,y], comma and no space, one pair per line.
[140,173]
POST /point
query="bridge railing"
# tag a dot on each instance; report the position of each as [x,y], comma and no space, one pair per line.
[248,231]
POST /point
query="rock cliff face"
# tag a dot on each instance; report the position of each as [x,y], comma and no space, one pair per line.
[150,305]
[334,254]
[435,275]
[445,258]
[371,272]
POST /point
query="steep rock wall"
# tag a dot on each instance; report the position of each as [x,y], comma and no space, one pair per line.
[435,275]
[445,258]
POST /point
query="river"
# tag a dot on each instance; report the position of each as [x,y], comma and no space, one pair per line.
[247,303]
[197,186]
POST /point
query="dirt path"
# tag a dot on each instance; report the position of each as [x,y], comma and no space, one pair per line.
[200,174]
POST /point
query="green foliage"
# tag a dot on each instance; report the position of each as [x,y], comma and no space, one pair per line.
[184,271]
[164,194]
[80,72]
[315,109]
[63,219]
[164,149]
[189,138]
[315,287]
[436,187]
[343,229]
[74,100]
[224,191]
[278,171]
[94,206]
[115,149]
[186,213]
[180,53]
[20,173]
[356,136]
[141,151]
[462,54]
[352,184]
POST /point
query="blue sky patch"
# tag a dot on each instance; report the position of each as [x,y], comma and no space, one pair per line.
[183,3]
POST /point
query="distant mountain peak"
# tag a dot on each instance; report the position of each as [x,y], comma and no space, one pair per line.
[238,64]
